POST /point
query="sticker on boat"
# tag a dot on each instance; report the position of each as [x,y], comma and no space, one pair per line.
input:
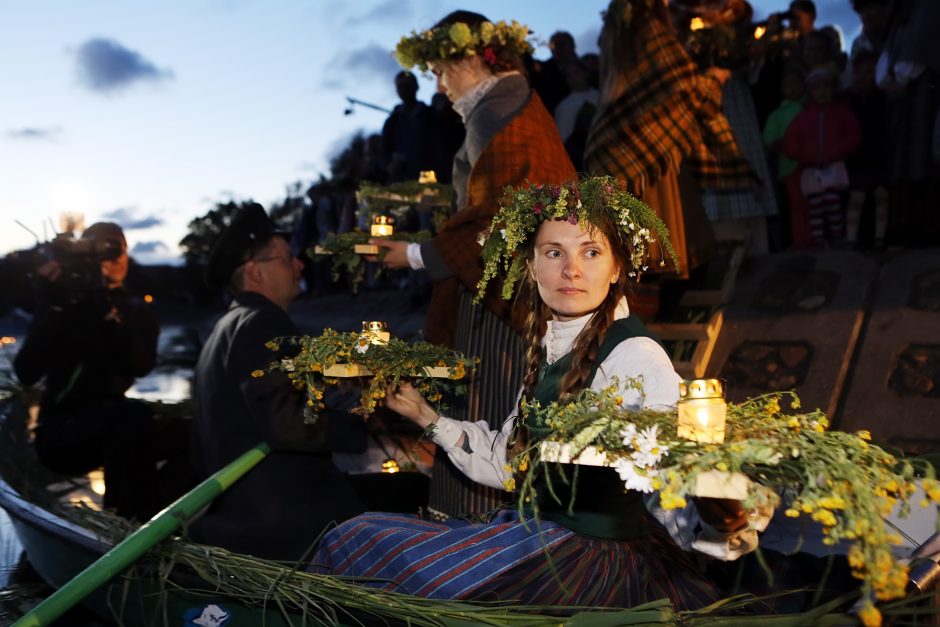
[211,615]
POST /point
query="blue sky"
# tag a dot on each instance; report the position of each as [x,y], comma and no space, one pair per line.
[149,113]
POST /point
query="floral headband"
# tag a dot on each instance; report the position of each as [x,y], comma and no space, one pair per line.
[459,40]
[582,202]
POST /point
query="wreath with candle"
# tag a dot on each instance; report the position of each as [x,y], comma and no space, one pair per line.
[840,480]
[372,359]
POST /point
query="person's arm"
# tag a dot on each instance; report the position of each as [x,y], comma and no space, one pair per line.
[39,347]
[476,450]
[276,406]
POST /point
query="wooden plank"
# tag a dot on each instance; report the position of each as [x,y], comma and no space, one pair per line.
[342,371]
[711,484]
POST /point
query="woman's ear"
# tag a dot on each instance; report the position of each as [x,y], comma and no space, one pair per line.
[615,276]
[531,271]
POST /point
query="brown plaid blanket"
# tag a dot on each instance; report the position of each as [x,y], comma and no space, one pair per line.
[528,149]
[669,112]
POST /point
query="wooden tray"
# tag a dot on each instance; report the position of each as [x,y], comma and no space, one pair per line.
[712,484]
[355,370]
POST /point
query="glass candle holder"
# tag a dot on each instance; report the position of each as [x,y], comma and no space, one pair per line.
[702,410]
[382,226]
[376,331]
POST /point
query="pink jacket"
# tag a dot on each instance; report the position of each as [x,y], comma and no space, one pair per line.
[818,136]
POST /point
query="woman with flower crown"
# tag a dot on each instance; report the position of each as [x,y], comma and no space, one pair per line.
[511,139]
[575,248]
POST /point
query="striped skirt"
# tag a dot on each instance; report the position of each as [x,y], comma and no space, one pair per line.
[511,560]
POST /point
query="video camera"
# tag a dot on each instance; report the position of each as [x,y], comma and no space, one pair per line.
[79,262]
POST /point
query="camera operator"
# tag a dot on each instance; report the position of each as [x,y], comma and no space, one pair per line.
[90,342]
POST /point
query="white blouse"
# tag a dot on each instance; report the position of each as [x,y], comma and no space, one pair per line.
[483,456]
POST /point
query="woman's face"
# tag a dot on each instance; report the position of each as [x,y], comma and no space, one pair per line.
[456,78]
[573,268]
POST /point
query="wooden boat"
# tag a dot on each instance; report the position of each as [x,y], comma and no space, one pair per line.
[182,583]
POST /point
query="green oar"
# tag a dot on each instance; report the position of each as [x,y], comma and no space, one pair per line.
[139,542]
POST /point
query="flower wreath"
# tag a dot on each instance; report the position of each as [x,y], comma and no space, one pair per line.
[581,202]
[459,40]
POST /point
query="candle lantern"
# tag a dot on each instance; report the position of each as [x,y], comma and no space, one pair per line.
[376,331]
[427,177]
[702,410]
[390,466]
[382,226]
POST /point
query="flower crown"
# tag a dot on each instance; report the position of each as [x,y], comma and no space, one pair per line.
[581,202]
[459,40]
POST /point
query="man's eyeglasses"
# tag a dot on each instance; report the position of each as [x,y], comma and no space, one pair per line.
[286,259]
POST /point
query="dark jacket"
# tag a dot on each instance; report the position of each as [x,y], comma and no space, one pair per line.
[90,351]
[280,507]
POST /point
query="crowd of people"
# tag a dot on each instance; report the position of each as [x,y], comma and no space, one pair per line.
[671,112]
[838,139]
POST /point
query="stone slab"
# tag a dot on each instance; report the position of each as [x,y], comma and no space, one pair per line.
[895,387]
[793,323]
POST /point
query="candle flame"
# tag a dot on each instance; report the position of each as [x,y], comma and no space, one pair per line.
[759,32]
[697,23]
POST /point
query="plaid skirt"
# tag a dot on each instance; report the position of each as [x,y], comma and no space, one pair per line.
[509,559]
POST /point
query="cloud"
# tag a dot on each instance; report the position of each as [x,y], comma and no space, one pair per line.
[351,67]
[150,247]
[130,220]
[388,11]
[154,252]
[106,66]
[49,134]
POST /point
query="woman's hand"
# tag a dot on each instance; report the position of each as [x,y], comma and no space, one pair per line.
[408,402]
[396,255]
[724,515]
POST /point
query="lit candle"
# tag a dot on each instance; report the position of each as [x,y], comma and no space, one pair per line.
[382,226]
[390,466]
[427,177]
[759,32]
[376,331]
[697,23]
[702,410]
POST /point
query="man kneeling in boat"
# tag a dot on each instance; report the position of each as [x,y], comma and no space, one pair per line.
[279,508]
[90,341]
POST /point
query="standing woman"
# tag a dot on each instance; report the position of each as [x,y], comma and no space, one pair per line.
[575,249]
[659,126]
[511,139]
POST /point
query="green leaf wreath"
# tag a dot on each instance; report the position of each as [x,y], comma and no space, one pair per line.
[399,198]
[389,363]
[840,480]
[521,210]
[459,40]
[341,252]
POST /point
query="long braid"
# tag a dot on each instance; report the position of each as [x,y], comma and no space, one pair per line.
[588,344]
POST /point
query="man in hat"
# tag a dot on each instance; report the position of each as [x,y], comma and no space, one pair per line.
[278,509]
[90,341]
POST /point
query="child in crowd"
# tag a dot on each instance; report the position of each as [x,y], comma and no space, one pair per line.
[819,139]
[776,127]
[869,164]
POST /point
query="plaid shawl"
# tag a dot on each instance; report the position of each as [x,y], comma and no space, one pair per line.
[528,149]
[669,112]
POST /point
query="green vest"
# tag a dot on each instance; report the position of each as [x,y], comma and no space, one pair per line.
[602,508]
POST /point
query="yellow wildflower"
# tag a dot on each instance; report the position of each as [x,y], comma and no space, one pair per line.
[864,434]
[870,615]
[524,463]
[792,513]
[825,517]
[510,484]
[257,373]
[272,345]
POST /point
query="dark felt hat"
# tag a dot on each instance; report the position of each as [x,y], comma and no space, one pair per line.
[250,228]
